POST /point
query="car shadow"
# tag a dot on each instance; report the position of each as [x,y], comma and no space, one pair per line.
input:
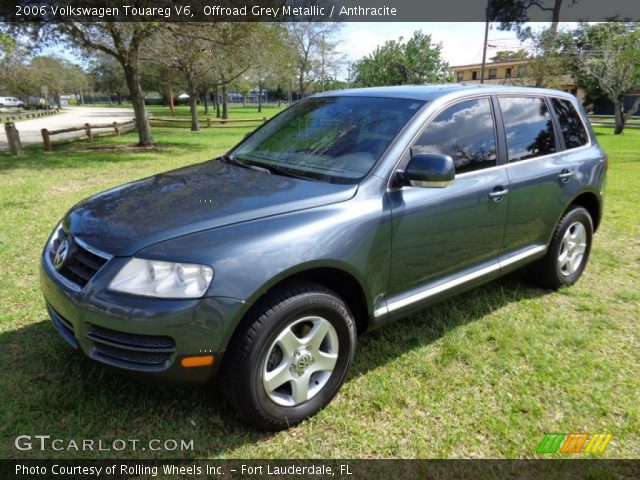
[55,390]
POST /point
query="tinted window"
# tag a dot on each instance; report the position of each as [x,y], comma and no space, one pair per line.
[334,139]
[571,126]
[465,132]
[528,126]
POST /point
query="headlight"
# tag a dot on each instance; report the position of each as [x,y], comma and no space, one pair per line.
[153,278]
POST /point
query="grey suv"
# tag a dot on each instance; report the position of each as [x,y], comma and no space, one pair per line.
[345,211]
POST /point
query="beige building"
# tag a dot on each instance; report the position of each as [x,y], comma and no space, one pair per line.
[510,73]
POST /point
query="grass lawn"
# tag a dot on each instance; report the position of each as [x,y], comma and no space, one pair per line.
[483,375]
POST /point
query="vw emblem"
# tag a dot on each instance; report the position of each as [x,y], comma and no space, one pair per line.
[61,254]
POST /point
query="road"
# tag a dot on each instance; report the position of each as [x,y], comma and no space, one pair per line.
[71,117]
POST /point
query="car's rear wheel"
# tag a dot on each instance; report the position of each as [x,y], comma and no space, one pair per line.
[290,356]
[568,252]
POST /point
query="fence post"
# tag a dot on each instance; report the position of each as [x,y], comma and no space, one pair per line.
[208,122]
[13,139]
[115,128]
[46,140]
[87,127]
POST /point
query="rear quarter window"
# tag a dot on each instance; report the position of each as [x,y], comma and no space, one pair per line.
[571,126]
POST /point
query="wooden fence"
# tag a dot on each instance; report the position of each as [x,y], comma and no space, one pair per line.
[12,117]
[207,122]
[609,121]
[88,133]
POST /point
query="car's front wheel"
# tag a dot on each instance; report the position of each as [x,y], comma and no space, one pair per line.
[568,252]
[290,356]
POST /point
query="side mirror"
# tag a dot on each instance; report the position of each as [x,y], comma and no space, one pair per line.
[430,170]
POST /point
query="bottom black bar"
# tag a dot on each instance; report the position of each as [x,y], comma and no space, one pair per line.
[316,469]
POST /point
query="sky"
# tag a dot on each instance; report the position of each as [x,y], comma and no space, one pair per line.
[461,41]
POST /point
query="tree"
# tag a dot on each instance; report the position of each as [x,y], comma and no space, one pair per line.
[415,61]
[550,62]
[76,81]
[514,14]
[314,50]
[14,71]
[120,40]
[107,76]
[183,49]
[270,62]
[609,55]
[510,56]
[199,56]
[52,72]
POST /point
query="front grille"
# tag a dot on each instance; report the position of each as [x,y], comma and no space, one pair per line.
[134,349]
[80,265]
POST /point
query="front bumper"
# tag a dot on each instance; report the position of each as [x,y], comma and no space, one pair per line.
[142,337]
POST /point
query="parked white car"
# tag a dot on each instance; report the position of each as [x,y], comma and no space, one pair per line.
[10,102]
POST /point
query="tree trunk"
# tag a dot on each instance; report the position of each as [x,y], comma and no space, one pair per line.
[216,102]
[618,116]
[225,107]
[119,98]
[634,108]
[206,101]
[193,103]
[109,97]
[57,100]
[137,100]
[259,96]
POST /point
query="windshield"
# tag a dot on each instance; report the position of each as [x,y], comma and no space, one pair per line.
[333,139]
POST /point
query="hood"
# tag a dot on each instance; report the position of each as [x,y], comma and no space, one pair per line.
[125,219]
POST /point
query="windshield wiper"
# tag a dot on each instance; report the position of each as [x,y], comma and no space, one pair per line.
[232,159]
[262,167]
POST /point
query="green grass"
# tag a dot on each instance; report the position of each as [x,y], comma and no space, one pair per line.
[483,375]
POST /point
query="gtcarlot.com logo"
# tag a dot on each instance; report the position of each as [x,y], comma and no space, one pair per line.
[45,442]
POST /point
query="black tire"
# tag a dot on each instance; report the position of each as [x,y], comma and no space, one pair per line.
[548,272]
[254,343]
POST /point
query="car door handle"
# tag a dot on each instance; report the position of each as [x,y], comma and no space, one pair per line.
[498,192]
[565,175]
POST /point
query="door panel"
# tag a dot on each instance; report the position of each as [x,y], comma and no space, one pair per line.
[539,173]
[441,231]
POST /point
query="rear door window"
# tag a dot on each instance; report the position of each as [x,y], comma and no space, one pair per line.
[528,127]
[571,126]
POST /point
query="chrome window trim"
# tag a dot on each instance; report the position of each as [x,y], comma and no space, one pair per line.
[429,119]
